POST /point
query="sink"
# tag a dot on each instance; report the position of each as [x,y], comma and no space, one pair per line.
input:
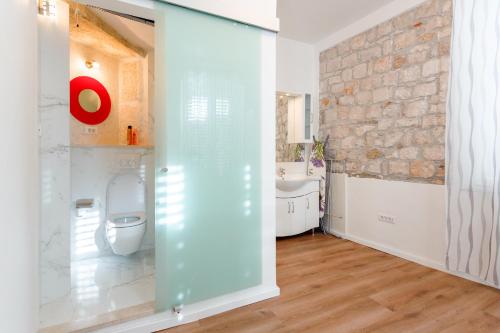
[292,182]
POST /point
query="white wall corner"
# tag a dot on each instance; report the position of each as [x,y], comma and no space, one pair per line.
[338,204]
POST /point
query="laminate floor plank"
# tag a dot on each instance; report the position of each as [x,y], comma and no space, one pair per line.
[333,285]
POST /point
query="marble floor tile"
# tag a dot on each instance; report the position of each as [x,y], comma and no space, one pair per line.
[102,290]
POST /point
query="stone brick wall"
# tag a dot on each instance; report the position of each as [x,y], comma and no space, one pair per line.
[383,97]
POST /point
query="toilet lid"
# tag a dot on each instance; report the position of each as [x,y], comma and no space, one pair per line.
[126,220]
[126,193]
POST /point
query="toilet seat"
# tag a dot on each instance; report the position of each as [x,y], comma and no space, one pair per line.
[125,213]
[126,220]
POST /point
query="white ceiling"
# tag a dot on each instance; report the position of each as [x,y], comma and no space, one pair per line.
[312,20]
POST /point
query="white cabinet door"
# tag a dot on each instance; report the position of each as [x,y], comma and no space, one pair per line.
[283,217]
[312,210]
[298,215]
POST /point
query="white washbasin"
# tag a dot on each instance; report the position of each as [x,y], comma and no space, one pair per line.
[293,181]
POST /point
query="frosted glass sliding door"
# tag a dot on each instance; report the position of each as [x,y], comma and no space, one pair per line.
[208,200]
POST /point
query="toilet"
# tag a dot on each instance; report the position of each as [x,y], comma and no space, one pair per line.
[126,213]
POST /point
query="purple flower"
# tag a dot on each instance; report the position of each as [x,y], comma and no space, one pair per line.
[317,163]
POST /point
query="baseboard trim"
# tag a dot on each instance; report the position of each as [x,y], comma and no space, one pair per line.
[396,252]
[194,312]
[337,234]
[416,259]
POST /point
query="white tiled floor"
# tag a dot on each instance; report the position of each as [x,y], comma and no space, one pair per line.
[103,285]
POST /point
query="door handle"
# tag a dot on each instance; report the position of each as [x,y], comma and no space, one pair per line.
[164,170]
[307,203]
[288,207]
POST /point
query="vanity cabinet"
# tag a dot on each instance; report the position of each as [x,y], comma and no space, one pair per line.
[300,119]
[298,211]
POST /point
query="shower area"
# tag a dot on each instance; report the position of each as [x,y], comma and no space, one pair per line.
[151,154]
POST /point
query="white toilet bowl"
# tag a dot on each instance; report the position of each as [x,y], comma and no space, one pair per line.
[126,213]
[125,232]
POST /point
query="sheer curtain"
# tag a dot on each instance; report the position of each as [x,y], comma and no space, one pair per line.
[473,141]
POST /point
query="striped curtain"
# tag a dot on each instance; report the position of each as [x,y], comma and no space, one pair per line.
[473,141]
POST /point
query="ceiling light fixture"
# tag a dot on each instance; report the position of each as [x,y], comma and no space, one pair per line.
[47,7]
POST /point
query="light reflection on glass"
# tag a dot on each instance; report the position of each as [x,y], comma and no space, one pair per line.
[198,109]
[247,178]
[170,196]
[221,107]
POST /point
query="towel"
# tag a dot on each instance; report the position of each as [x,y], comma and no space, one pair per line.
[317,167]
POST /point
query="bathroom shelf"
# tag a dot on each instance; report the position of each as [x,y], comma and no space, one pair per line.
[113,146]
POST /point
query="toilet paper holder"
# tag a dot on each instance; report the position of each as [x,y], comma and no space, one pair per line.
[84,203]
[83,206]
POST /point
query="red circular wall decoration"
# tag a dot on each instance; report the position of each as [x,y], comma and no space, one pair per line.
[90,118]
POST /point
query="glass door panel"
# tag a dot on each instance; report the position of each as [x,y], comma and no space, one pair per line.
[208,200]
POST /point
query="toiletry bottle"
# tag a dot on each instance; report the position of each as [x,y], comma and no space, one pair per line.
[135,139]
[129,135]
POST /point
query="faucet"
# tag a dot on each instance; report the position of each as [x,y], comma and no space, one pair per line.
[282,173]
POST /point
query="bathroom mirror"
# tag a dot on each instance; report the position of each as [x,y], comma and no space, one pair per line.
[89,100]
[285,151]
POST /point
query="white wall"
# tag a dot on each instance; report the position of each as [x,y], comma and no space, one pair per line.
[294,66]
[19,148]
[418,233]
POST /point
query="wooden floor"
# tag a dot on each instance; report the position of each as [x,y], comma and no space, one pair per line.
[333,285]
